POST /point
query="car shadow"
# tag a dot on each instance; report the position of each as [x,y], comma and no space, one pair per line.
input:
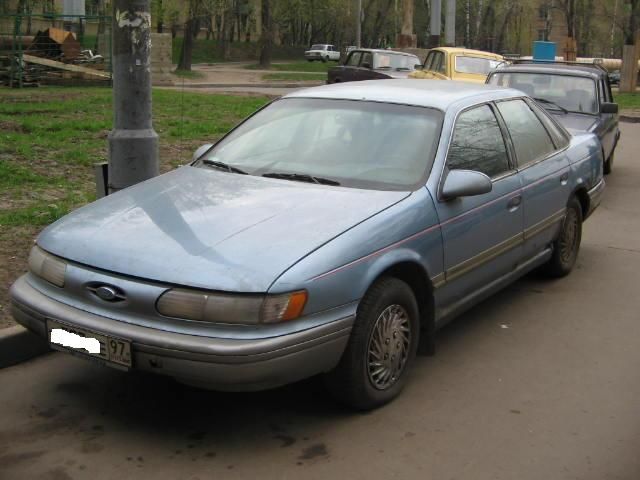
[184,420]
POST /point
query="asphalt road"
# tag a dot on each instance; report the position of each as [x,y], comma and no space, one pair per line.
[540,382]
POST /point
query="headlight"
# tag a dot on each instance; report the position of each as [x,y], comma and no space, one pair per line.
[46,266]
[231,308]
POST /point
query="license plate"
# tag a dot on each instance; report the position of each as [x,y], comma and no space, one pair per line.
[87,343]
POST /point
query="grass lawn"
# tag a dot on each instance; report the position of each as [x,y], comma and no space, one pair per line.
[208,51]
[628,100]
[295,77]
[51,137]
[302,66]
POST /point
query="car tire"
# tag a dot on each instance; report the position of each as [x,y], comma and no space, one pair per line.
[325,59]
[567,245]
[309,59]
[608,164]
[373,369]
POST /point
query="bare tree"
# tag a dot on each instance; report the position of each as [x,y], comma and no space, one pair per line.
[266,39]
[186,54]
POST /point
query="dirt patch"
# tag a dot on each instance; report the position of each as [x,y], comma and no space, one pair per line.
[15,199]
[15,243]
[9,126]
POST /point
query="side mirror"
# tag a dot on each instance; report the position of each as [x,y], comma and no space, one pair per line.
[201,151]
[465,183]
[607,107]
[366,65]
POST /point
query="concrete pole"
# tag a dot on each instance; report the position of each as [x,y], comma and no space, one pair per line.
[359,24]
[436,21]
[450,24]
[133,143]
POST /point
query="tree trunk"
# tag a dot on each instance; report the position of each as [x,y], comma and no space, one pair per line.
[160,14]
[224,45]
[102,25]
[187,46]
[630,31]
[266,39]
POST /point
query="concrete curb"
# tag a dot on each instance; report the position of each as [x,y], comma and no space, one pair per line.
[629,118]
[17,344]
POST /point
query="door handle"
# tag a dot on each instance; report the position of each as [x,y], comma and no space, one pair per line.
[514,203]
[564,178]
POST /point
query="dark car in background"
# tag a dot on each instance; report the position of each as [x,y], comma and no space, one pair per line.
[614,77]
[577,94]
[371,64]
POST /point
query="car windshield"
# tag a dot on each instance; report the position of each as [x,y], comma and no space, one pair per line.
[383,60]
[480,66]
[318,47]
[357,144]
[571,93]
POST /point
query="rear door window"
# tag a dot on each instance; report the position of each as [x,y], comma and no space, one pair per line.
[559,136]
[530,138]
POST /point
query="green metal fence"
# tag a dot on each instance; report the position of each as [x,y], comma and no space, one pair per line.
[53,49]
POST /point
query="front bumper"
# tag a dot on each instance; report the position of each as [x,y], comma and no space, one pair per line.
[595,197]
[217,363]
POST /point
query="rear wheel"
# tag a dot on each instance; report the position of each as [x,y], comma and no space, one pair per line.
[381,348]
[567,245]
[325,59]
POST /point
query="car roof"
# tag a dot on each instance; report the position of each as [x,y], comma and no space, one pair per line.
[384,51]
[555,68]
[454,50]
[439,94]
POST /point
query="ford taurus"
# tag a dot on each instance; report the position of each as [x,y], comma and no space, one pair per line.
[329,233]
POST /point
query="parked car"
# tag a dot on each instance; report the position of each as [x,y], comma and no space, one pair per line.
[326,234]
[578,95]
[448,63]
[322,52]
[371,64]
[614,78]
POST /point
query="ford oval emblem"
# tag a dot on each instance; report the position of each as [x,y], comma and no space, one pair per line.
[108,293]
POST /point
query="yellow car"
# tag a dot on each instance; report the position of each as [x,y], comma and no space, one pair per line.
[448,63]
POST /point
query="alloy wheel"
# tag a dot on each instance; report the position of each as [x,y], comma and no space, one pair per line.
[569,236]
[388,348]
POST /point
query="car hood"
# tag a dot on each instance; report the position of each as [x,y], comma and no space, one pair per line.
[395,73]
[209,229]
[576,122]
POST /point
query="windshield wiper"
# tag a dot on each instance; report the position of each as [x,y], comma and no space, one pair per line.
[223,166]
[402,68]
[553,104]
[301,177]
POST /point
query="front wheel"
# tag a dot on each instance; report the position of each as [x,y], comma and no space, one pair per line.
[567,245]
[381,348]
[608,164]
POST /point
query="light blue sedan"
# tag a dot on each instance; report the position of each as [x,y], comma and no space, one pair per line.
[329,233]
